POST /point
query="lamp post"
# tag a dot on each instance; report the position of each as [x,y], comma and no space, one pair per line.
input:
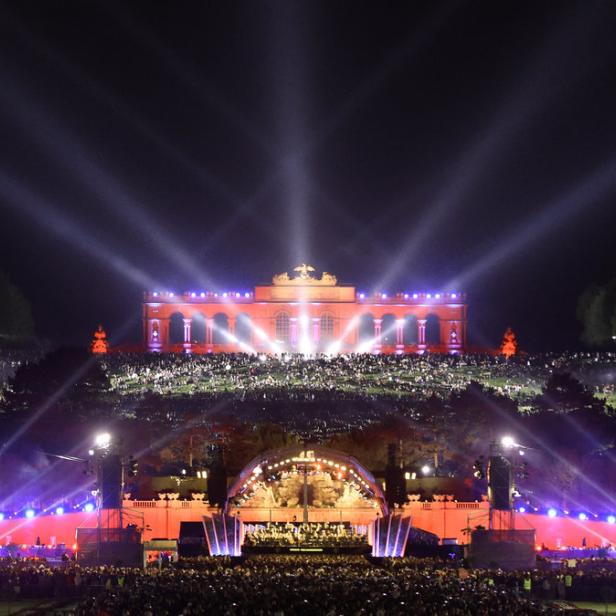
[102,443]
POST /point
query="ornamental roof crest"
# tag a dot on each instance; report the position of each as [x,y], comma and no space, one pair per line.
[304,278]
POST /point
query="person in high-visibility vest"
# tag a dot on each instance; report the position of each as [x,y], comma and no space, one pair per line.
[528,583]
[568,583]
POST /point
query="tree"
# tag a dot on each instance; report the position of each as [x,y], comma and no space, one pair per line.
[597,312]
[16,322]
[564,393]
[99,343]
[509,346]
[67,380]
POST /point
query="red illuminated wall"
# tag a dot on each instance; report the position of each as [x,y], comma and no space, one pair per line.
[443,519]
[450,519]
[63,528]
[308,310]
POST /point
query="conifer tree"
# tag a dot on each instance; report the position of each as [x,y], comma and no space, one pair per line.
[509,346]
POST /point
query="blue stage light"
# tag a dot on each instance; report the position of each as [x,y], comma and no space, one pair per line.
[88,508]
[29,513]
[611,519]
[59,510]
[552,513]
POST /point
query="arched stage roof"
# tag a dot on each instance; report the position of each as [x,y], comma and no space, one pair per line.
[316,454]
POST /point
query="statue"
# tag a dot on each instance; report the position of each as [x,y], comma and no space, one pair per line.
[99,343]
[453,334]
[303,270]
[281,279]
[304,277]
[328,279]
[509,346]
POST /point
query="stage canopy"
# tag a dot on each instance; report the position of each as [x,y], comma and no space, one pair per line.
[332,479]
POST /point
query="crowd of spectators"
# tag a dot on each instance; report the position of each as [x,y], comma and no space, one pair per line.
[277,534]
[324,585]
[420,376]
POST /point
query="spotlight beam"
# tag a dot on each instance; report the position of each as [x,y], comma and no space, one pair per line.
[366,346]
[530,436]
[412,45]
[70,154]
[55,397]
[25,522]
[38,480]
[528,99]
[189,75]
[558,212]
[22,200]
[187,425]
[336,344]
[120,108]
[137,123]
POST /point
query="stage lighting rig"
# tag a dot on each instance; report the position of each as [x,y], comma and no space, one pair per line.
[132,466]
[479,468]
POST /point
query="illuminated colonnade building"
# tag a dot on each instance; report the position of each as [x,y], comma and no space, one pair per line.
[304,314]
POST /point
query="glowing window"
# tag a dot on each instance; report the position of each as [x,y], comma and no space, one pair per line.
[282,327]
[327,327]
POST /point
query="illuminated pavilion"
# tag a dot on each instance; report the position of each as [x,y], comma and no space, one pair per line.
[304,314]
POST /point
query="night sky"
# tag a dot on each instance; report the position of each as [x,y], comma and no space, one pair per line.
[401,146]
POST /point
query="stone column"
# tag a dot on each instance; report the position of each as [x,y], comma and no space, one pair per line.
[377,335]
[209,331]
[399,335]
[421,333]
[316,330]
[293,332]
[187,341]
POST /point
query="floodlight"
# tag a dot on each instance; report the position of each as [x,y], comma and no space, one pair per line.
[507,442]
[102,440]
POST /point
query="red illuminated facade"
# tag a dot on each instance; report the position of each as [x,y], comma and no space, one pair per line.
[304,314]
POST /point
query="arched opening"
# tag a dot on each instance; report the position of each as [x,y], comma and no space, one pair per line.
[327,328]
[197,332]
[282,327]
[433,329]
[366,327]
[176,328]
[388,330]
[243,328]
[274,480]
[221,329]
[410,329]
